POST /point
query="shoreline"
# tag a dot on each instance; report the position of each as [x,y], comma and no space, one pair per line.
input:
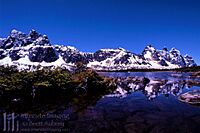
[184,69]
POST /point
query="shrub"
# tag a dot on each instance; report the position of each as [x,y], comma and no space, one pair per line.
[50,85]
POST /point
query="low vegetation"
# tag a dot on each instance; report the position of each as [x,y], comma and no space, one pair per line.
[189,69]
[37,90]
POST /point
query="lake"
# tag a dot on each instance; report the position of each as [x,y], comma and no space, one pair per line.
[144,102]
[135,108]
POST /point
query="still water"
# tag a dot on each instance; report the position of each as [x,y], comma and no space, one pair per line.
[137,108]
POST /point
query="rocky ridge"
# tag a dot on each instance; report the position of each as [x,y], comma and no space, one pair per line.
[28,51]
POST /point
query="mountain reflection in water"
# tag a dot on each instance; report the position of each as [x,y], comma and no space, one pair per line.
[143,103]
[152,84]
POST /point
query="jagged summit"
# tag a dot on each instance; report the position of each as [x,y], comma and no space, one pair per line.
[165,49]
[27,51]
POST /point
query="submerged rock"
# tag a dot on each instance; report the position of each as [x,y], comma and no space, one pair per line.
[192,97]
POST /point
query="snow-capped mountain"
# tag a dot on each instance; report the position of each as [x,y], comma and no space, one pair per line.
[28,51]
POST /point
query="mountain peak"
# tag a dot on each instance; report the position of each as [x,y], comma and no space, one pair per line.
[14,31]
[32,49]
[150,48]
[16,34]
[165,49]
[175,52]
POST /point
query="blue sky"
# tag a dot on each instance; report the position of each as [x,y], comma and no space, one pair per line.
[93,24]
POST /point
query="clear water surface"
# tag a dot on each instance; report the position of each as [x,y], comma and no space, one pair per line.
[137,113]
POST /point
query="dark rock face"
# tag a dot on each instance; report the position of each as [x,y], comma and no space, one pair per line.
[14,54]
[36,54]
[101,55]
[42,40]
[2,54]
[163,63]
[165,55]
[16,39]
[178,61]
[123,59]
[165,49]
[71,55]
[173,56]
[38,48]
[155,56]
[189,61]
[50,55]
[2,41]
[176,57]
[33,35]
[89,56]
[70,58]
[19,39]
[148,48]
[77,58]
[39,54]
[9,43]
